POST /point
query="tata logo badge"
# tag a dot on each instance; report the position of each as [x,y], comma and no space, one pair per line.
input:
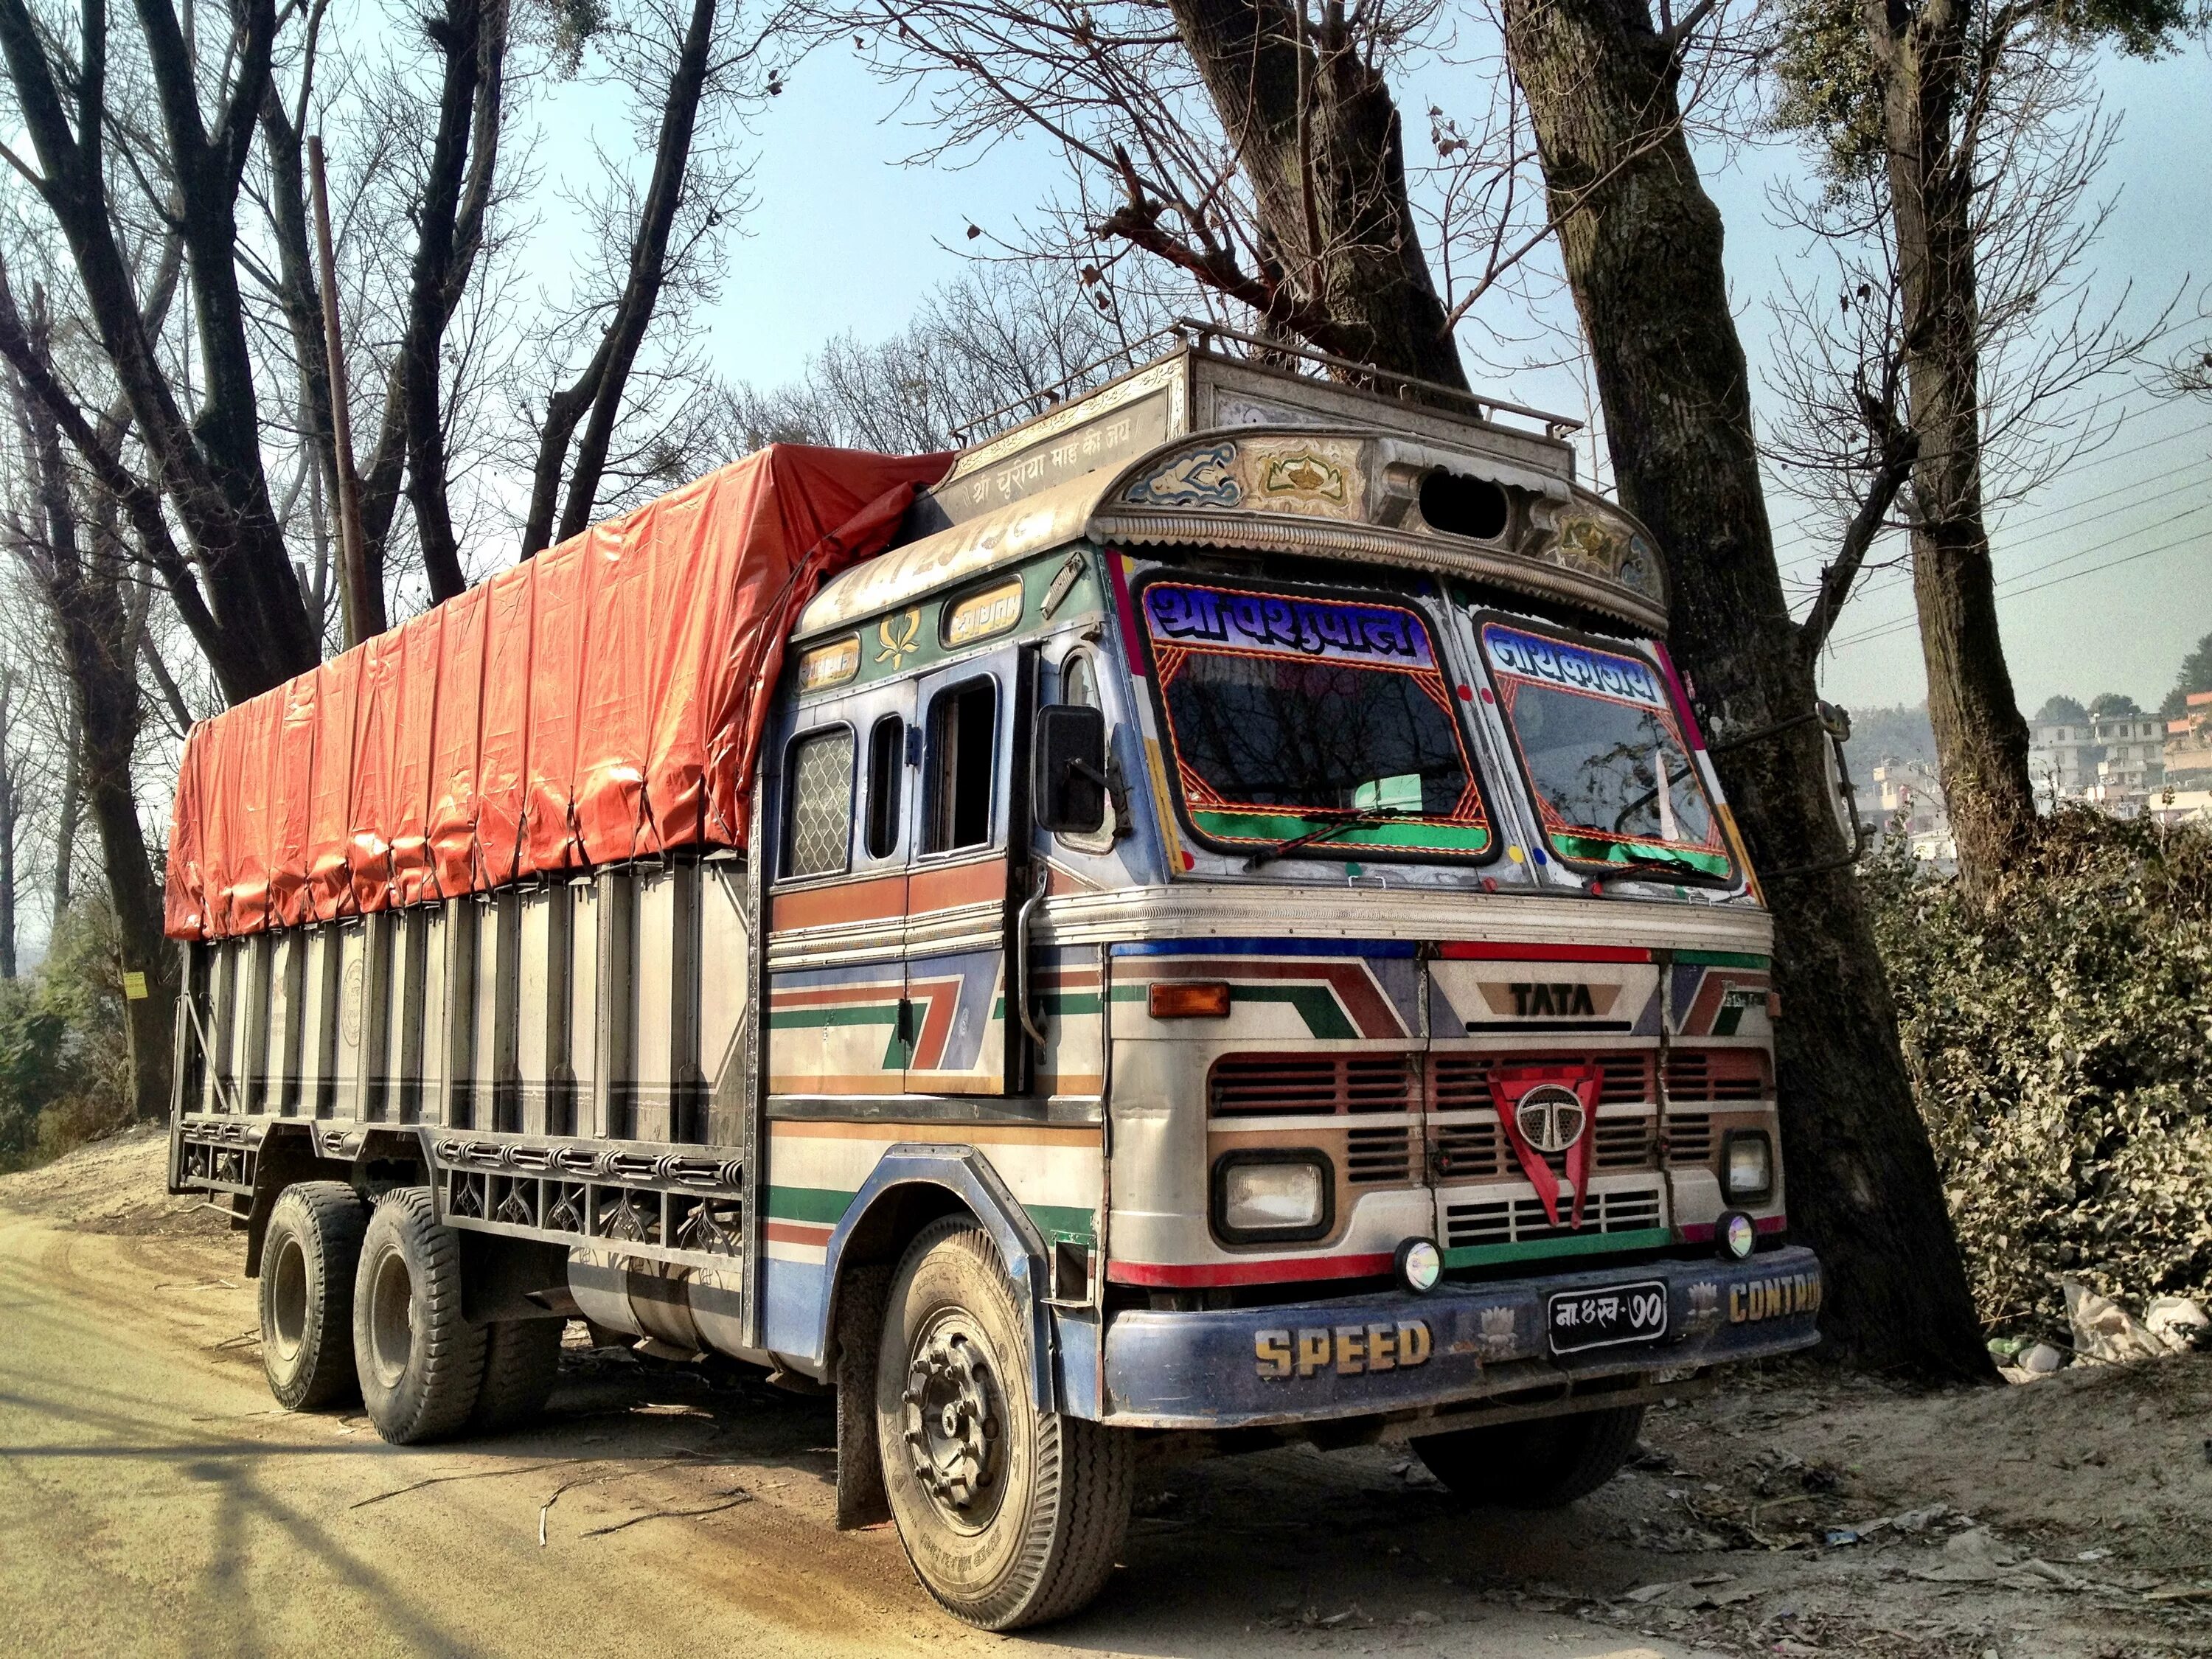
[1551,1117]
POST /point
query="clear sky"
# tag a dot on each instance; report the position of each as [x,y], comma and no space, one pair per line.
[2105,578]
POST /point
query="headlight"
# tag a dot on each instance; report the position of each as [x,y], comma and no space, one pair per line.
[1274,1196]
[1747,1166]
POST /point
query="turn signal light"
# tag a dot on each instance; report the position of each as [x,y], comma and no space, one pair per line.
[1197,998]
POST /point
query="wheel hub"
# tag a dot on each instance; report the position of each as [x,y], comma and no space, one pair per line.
[392,1319]
[956,1423]
[288,1299]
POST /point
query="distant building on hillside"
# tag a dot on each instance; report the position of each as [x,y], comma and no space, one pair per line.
[2117,762]
[2188,745]
[2186,793]
[1909,802]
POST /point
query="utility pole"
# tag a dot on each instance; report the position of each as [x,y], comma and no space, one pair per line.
[352,563]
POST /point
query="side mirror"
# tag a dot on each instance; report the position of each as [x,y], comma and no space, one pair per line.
[1068,785]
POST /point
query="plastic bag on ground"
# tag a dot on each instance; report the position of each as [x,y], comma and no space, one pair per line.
[2106,1332]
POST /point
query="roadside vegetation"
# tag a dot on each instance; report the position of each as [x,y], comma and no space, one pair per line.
[64,1076]
[2060,1042]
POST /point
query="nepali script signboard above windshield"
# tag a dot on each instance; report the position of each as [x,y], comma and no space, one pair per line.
[1315,719]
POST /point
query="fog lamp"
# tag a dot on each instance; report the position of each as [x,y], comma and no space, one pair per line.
[1736,1235]
[1272,1196]
[1419,1264]
[1747,1166]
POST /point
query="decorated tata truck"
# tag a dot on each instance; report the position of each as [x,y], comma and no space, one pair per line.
[1203,921]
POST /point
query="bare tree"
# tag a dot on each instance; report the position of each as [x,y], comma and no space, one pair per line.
[452,200]
[68,810]
[1843,432]
[1642,245]
[1942,108]
[678,60]
[1254,148]
[991,348]
[237,590]
[80,562]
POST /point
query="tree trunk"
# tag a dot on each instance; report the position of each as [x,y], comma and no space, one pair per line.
[66,817]
[10,817]
[300,295]
[1318,136]
[1981,740]
[1642,244]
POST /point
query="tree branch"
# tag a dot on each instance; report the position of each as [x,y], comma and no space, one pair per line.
[1900,447]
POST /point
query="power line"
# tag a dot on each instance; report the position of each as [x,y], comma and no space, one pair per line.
[2049,512]
[1907,622]
[2013,544]
[1889,579]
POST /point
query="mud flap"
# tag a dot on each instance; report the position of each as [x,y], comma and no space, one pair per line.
[860,1499]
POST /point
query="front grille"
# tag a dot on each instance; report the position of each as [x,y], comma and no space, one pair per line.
[1379,1157]
[1689,1138]
[1717,1074]
[1521,1220]
[1623,1142]
[1248,1087]
[1457,1081]
[1270,1085]
[1464,1151]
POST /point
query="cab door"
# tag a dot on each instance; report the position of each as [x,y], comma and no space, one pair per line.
[837,895]
[969,833]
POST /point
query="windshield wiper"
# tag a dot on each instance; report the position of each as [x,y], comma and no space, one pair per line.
[1351,818]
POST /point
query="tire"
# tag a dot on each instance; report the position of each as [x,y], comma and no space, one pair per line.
[308,1258]
[1013,1527]
[1533,1465]
[422,1364]
[522,1358]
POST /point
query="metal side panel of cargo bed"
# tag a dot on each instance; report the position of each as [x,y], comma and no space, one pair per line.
[567,1060]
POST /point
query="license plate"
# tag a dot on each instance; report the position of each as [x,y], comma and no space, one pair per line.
[1607,1316]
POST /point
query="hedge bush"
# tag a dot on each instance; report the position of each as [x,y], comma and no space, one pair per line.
[2060,1040]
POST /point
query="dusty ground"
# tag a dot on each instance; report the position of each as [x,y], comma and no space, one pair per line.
[152,1500]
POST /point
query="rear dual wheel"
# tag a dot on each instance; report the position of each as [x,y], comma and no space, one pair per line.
[1010,1514]
[366,1304]
[426,1372]
[308,1258]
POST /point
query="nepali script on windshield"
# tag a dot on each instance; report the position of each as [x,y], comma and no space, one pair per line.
[1603,752]
[1290,715]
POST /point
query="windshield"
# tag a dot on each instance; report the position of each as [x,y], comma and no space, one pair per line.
[1603,752]
[1290,715]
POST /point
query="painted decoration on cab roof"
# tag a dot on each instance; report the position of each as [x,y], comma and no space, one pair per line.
[1231,619]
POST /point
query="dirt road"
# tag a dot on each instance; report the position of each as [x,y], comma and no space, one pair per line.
[152,1500]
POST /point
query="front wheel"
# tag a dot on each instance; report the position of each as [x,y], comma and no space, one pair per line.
[1012,1514]
[1533,1465]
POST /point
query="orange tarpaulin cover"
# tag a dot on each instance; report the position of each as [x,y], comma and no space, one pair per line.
[598,702]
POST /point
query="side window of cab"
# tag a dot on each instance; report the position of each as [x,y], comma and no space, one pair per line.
[818,782]
[963,766]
